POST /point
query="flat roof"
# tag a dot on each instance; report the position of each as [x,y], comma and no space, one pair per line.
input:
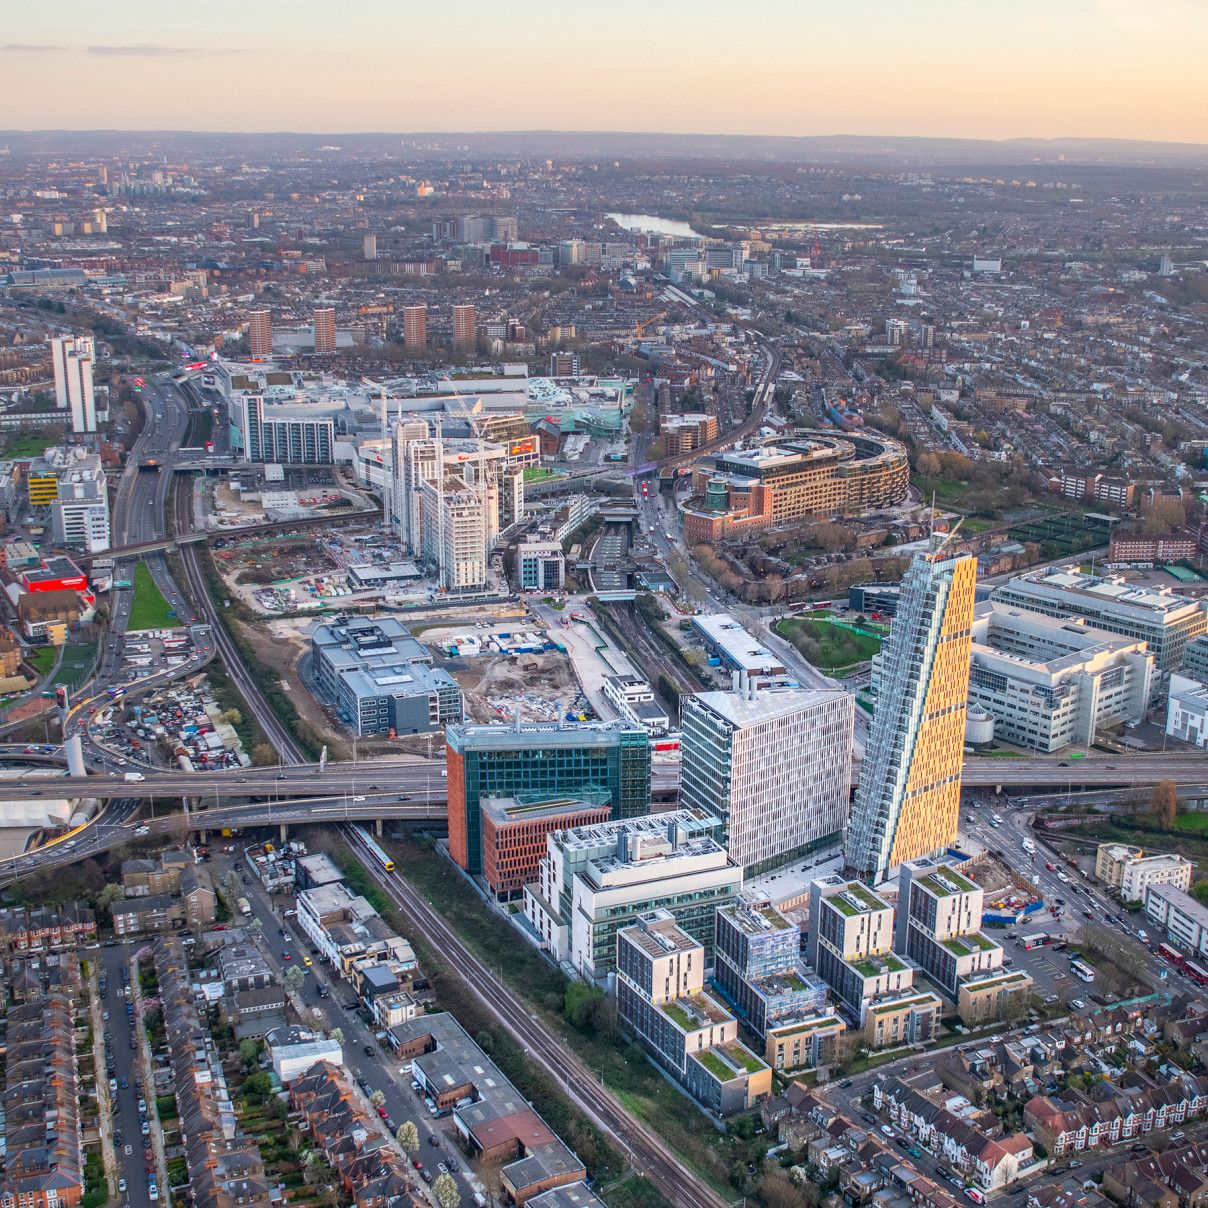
[738,646]
[766,703]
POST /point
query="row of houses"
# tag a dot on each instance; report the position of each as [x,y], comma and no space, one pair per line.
[41,928]
[967,1139]
[164,895]
[1110,1114]
[869,1170]
[43,1145]
[224,1163]
[371,1172]
[349,933]
[1172,1178]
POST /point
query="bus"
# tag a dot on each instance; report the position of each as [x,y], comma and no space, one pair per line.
[1039,940]
[383,860]
[1171,955]
[1197,973]
[1082,969]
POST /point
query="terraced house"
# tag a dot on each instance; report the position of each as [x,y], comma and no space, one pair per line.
[43,1157]
[1113,1115]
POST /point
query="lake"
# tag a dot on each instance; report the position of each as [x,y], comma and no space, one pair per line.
[652,224]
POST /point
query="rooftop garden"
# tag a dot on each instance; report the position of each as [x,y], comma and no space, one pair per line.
[680,1017]
[714,1064]
[898,1004]
[873,966]
[744,1058]
[810,1025]
[865,899]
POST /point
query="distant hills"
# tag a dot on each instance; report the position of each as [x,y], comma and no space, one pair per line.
[854,150]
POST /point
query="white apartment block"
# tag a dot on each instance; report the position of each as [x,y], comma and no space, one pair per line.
[596,879]
[79,516]
[1052,682]
[1129,870]
[1155,615]
[1180,916]
[1187,711]
[448,499]
[773,764]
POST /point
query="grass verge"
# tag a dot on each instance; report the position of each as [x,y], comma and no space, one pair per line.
[149,609]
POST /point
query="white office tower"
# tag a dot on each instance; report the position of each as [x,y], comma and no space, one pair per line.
[79,517]
[445,502]
[774,765]
[72,358]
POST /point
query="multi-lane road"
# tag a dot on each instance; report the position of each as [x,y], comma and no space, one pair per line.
[424,779]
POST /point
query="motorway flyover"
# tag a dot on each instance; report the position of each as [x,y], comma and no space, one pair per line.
[426,780]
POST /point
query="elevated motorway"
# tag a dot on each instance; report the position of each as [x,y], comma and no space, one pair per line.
[267,528]
[424,780]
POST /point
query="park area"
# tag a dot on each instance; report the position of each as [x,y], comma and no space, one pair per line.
[834,647]
[149,609]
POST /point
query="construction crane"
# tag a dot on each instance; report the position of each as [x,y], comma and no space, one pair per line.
[640,325]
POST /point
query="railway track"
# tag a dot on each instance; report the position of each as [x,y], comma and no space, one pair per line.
[244,682]
[681,1186]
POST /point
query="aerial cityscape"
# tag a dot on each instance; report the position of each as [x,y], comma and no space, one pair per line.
[652,658]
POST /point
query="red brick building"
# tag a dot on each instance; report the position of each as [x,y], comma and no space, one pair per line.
[514,831]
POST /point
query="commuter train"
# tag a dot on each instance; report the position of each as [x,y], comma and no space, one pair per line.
[373,849]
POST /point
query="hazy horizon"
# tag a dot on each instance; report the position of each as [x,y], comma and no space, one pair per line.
[1034,69]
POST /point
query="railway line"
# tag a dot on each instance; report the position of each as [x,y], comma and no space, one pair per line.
[244,682]
[681,1186]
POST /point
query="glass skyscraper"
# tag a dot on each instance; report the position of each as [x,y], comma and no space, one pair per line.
[908,800]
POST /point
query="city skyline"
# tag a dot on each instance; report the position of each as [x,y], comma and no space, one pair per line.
[1096,68]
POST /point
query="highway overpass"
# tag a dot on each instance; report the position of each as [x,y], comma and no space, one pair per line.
[421,779]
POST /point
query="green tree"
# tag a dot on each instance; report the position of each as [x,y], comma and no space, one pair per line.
[294,979]
[336,1034]
[579,1002]
[407,1137]
[110,894]
[377,1099]
[249,1051]
[445,1189]
[257,1086]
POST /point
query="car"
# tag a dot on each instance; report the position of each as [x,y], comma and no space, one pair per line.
[915,1152]
[1077,1004]
[442,1168]
[146,1129]
[887,1130]
[368,1050]
[129,1149]
[434,1141]
[121,1184]
[381,1111]
[307,961]
[426,1175]
[153,1192]
[868,1118]
[845,1084]
[286,956]
[417,1164]
[1177,1136]
[1050,867]
[976,1195]
[358,798]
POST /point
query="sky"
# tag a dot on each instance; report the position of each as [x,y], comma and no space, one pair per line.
[942,68]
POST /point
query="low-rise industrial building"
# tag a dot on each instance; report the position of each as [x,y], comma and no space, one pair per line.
[633,698]
[1187,711]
